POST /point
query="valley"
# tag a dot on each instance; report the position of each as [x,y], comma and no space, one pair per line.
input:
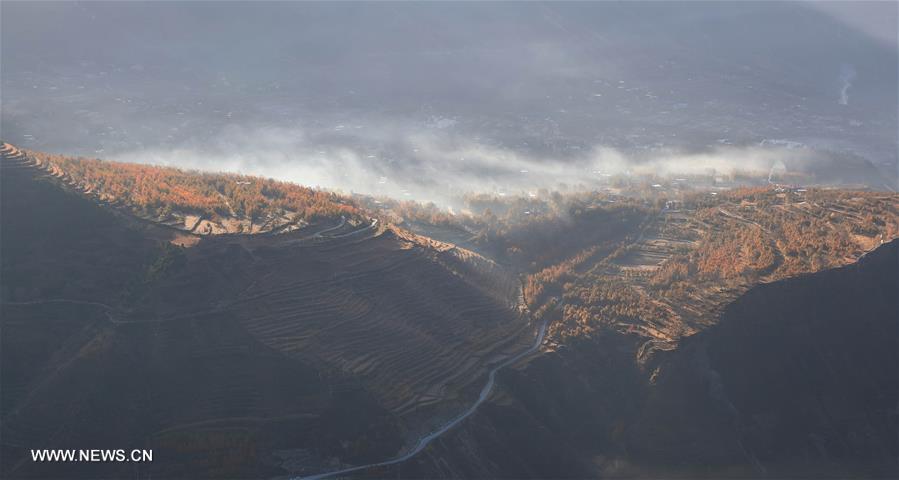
[513,240]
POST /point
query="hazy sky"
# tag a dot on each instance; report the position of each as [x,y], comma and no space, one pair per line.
[878,20]
[400,97]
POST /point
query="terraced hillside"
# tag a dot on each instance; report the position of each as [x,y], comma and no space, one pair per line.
[662,265]
[195,202]
[797,379]
[343,341]
[694,256]
[246,355]
[401,317]
[697,337]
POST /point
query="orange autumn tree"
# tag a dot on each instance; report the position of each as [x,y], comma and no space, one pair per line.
[158,191]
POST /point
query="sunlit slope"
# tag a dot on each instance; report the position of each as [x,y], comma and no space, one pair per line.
[692,257]
[196,202]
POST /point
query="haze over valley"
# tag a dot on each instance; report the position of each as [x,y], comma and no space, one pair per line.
[432,100]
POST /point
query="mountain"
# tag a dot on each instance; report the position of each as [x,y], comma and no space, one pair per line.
[637,333]
[257,347]
[798,379]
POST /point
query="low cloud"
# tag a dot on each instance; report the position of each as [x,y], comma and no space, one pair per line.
[439,165]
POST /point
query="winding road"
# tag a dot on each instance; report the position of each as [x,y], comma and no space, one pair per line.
[61,300]
[331,229]
[425,440]
[374,223]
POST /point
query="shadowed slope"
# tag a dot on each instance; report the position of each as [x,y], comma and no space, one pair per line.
[243,355]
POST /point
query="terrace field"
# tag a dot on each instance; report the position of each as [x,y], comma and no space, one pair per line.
[662,264]
[321,333]
[195,202]
[251,344]
[694,256]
